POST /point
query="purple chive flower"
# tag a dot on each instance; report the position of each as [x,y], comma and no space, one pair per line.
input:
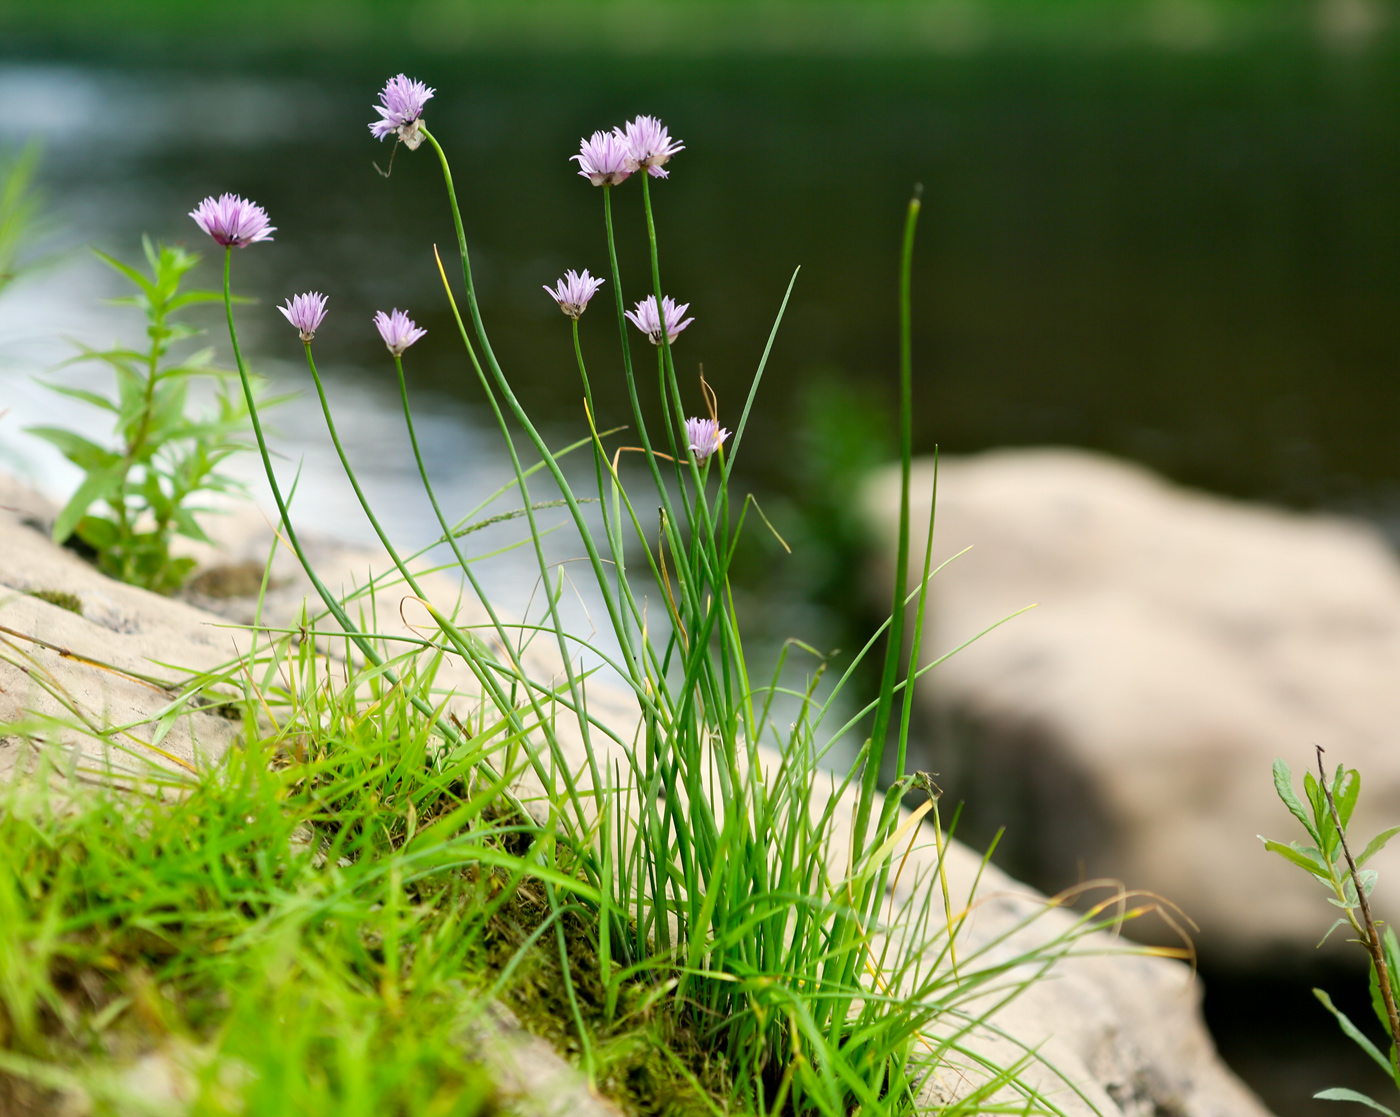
[602,158]
[305,312]
[648,145]
[646,319]
[573,292]
[397,330]
[401,104]
[705,436]
[233,221]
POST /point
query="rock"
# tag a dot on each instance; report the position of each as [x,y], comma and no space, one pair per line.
[1122,1030]
[87,673]
[1126,725]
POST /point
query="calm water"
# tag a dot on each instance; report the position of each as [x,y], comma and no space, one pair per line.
[1188,259]
[1191,260]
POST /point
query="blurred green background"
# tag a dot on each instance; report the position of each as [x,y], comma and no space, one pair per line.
[1168,229]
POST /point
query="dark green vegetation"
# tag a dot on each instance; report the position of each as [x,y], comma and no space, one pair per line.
[626,28]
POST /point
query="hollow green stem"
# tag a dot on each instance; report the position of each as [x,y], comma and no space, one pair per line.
[328,599]
[894,649]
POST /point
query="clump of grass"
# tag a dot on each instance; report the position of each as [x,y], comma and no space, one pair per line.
[62,598]
[320,924]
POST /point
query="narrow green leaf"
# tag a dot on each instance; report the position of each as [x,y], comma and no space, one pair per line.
[86,455]
[1297,856]
[1341,1093]
[1283,784]
[1376,844]
[1353,1032]
[1377,1001]
[192,297]
[96,486]
[1345,788]
[131,273]
[1339,923]
[84,395]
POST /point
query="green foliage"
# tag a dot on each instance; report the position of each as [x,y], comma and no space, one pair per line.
[1324,813]
[19,205]
[318,927]
[164,456]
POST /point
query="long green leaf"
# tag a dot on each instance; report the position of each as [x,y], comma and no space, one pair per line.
[1345,790]
[1353,1032]
[1283,784]
[96,486]
[1341,1093]
[86,455]
[1376,844]
[81,393]
[1297,856]
[131,273]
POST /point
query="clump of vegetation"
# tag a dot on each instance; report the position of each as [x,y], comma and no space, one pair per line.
[323,925]
[62,598]
[19,207]
[680,895]
[1328,809]
[137,495]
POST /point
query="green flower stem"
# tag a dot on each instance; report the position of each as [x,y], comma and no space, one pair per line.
[700,683]
[564,489]
[669,519]
[850,929]
[450,734]
[471,653]
[616,548]
[646,695]
[508,394]
[709,565]
[496,623]
[894,649]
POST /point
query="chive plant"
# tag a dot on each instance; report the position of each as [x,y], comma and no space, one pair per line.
[726,870]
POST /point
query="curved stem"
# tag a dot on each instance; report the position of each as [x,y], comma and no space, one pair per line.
[329,599]
[523,419]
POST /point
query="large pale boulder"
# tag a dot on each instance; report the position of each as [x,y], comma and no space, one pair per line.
[1179,642]
[1109,1031]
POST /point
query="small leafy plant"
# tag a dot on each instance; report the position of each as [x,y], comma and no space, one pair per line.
[1329,858]
[165,456]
